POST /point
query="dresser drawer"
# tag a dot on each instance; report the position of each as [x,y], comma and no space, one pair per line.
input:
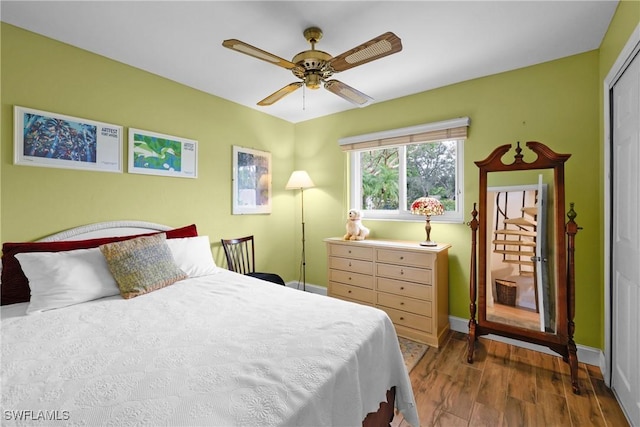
[406,289]
[415,259]
[409,320]
[352,293]
[399,272]
[353,300]
[411,305]
[348,278]
[353,265]
[351,251]
[407,281]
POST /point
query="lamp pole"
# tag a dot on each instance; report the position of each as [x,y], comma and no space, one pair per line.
[301,180]
[304,259]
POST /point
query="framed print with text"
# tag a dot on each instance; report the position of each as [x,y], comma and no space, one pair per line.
[42,138]
[152,153]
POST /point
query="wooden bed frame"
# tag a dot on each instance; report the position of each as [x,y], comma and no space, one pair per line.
[385,414]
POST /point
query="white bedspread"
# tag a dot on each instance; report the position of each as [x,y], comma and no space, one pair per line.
[219,350]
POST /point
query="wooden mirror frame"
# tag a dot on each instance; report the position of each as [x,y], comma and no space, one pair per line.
[562,340]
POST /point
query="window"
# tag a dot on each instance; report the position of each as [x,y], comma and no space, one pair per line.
[384,181]
[389,170]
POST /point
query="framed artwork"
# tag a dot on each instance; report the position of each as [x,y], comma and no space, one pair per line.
[251,181]
[152,153]
[42,138]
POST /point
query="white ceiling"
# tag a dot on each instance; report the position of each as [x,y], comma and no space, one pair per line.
[444,42]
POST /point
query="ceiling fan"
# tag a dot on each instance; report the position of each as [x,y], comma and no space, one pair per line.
[314,67]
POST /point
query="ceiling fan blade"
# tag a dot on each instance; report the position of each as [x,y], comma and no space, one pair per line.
[279,94]
[379,47]
[247,49]
[347,92]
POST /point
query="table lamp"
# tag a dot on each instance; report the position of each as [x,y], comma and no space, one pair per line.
[427,206]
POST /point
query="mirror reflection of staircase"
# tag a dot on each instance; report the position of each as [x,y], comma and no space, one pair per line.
[515,240]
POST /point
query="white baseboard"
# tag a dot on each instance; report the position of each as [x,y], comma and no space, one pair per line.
[589,355]
[309,287]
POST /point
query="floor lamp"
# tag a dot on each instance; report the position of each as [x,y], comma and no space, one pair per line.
[301,180]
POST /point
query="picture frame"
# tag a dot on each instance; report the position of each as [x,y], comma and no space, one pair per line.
[46,139]
[152,153]
[251,181]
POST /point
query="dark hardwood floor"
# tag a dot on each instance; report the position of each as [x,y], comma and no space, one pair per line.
[506,386]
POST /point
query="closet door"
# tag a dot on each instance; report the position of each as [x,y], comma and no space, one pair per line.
[625,279]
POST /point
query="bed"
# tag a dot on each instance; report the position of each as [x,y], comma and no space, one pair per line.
[214,348]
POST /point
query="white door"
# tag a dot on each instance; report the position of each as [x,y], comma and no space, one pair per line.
[625,211]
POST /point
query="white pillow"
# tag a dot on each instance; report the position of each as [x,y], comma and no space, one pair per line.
[193,255]
[60,279]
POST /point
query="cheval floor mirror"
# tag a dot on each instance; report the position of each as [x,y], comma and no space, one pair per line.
[522,282]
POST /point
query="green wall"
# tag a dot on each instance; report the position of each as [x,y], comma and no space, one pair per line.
[40,73]
[555,103]
[558,103]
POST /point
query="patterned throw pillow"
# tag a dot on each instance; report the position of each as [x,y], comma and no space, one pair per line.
[142,265]
[15,286]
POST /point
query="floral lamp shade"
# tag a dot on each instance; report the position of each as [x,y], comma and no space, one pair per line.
[427,206]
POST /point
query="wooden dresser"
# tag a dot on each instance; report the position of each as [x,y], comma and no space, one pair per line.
[408,281]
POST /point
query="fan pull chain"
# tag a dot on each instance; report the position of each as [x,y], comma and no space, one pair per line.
[304,97]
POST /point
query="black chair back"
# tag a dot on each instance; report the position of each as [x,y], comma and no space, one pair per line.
[240,253]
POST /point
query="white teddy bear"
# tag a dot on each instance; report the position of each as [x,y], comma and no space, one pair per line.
[355,229]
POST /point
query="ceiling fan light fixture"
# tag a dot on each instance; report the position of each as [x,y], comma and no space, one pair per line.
[312,81]
[313,67]
[311,59]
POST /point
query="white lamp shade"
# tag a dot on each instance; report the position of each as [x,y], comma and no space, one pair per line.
[299,179]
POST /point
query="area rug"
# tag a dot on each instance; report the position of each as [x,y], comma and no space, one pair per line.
[412,352]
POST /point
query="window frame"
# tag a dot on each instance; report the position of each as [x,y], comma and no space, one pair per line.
[402,214]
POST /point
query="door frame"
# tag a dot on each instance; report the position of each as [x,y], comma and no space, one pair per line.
[631,48]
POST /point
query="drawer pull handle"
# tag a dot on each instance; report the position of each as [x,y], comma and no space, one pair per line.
[400,303]
[349,277]
[401,272]
[401,318]
[349,264]
[401,257]
[349,250]
[349,292]
[402,288]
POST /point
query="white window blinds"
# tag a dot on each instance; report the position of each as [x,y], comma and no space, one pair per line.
[437,131]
